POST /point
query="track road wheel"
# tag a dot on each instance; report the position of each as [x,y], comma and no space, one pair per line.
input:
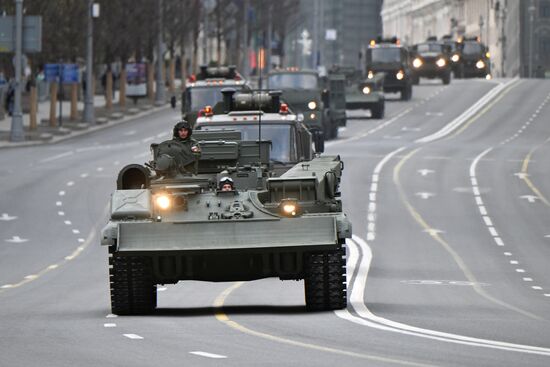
[132,289]
[325,280]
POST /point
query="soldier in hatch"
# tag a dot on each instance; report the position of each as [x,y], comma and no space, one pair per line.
[180,154]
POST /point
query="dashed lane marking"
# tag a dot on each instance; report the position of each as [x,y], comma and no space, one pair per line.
[109,325]
[208,355]
[133,336]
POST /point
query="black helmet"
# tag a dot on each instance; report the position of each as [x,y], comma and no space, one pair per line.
[183,124]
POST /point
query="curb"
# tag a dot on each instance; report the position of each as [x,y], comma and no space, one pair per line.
[93,128]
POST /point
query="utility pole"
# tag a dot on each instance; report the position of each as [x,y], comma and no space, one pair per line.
[159,95]
[315,45]
[17,132]
[89,113]
[205,27]
[267,60]
[531,10]
[245,37]
[504,11]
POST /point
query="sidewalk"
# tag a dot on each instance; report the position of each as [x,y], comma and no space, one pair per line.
[45,133]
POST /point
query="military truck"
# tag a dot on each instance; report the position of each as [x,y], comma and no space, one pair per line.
[454,54]
[204,89]
[255,113]
[389,57]
[363,93]
[321,100]
[431,60]
[166,226]
[475,58]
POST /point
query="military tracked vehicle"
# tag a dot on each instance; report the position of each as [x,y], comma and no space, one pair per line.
[321,100]
[204,89]
[388,57]
[168,226]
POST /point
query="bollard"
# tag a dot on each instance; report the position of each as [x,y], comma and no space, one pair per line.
[122,89]
[53,102]
[109,91]
[34,108]
[74,102]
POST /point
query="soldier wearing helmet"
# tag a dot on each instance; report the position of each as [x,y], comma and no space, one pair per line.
[226,184]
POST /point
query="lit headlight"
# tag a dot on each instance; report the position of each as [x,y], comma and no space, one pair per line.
[488,77]
[488,55]
[289,208]
[312,105]
[400,75]
[163,202]
[370,74]
[366,90]
[312,116]
[480,64]
[441,62]
[417,62]
[455,58]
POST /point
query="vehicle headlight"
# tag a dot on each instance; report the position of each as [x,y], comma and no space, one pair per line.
[417,62]
[488,77]
[163,201]
[455,58]
[366,90]
[312,105]
[400,75]
[441,62]
[370,74]
[289,207]
[312,116]
[480,64]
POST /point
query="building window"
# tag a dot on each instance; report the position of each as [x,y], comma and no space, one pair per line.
[545,9]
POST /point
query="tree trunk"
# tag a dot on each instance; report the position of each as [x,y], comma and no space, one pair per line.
[122,88]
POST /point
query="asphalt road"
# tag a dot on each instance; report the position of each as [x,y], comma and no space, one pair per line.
[447,267]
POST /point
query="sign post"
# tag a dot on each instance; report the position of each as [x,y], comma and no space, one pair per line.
[17,131]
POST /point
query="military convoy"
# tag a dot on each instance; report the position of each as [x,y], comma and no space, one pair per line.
[389,57]
[430,59]
[475,58]
[321,100]
[167,225]
[204,89]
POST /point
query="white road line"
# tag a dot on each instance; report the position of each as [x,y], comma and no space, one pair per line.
[514,262]
[81,240]
[520,270]
[70,183]
[84,175]
[493,231]
[68,222]
[58,203]
[99,169]
[482,210]
[61,214]
[61,193]
[507,254]
[527,279]
[367,318]
[76,231]
[59,156]
[133,336]
[487,220]
[109,325]
[54,266]
[499,242]
[208,355]
[537,288]
[111,316]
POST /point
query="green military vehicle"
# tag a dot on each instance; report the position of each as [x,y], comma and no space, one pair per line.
[476,58]
[389,57]
[321,100]
[364,93]
[203,89]
[431,60]
[167,226]
[454,54]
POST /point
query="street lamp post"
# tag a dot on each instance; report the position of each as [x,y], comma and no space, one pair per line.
[17,131]
[531,10]
[159,95]
[89,115]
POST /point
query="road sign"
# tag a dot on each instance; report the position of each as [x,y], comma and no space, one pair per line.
[32,34]
[67,72]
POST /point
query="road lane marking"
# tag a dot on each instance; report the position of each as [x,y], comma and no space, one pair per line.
[91,237]
[68,222]
[133,336]
[6,217]
[61,214]
[70,183]
[208,355]
[450,250]
[367,318]
[16,239]
[111,316]
[76,231]
[84,175]
[524,172]
[59,156]
[61,193]
[58,203]
[425,172]
[425,195]
[109,325]
[222,317]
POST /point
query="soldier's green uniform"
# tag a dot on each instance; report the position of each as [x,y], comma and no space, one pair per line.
[178,155]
